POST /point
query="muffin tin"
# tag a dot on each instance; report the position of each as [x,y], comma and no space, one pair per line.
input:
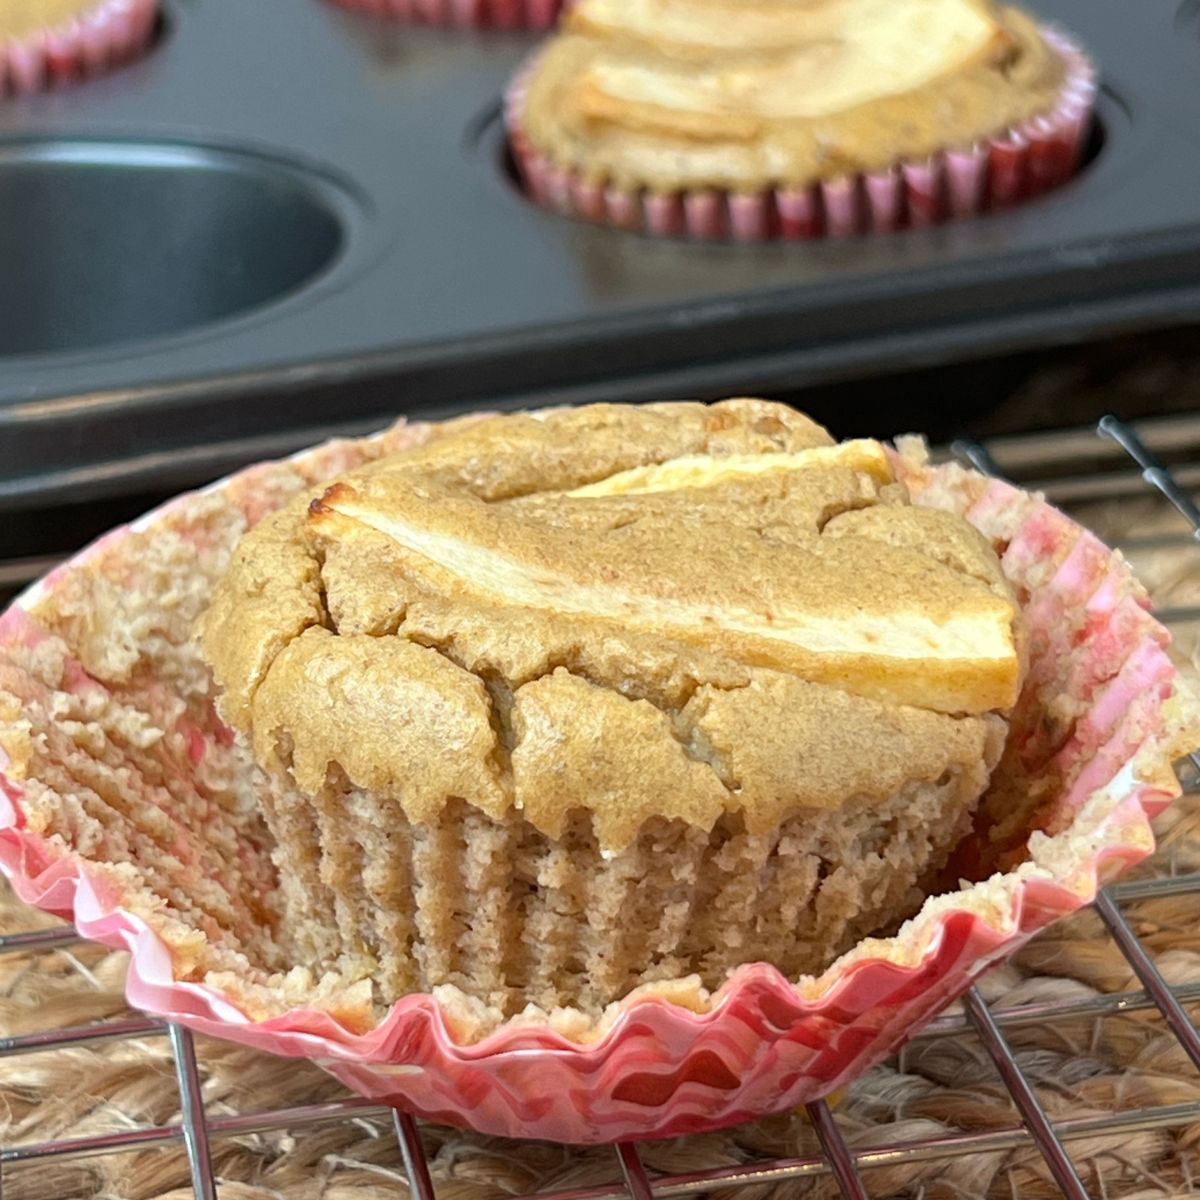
[288,220]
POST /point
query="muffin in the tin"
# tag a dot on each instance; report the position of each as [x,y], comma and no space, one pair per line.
[796,117]
[48,42]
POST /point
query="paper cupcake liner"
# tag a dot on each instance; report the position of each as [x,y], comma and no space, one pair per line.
[1024,161]
[110,33]
[655,1065]
[465,14]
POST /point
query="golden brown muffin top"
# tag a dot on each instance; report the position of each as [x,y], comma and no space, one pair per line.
[675,610]
[742,94]
[20,18]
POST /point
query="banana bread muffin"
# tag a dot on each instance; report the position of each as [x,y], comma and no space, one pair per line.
[796,118]
[49,42]
[557,705]
[706,93]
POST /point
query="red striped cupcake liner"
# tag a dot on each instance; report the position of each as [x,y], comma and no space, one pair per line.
[108,34]
[465,14]
[1024,161]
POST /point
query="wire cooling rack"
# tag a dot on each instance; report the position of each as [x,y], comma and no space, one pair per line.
[1137,467]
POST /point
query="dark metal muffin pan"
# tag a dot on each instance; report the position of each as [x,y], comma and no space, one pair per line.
[287,220]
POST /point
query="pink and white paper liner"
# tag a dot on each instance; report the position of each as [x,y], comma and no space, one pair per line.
[104,36]
[762,1043]
[466,14]
[1022,162]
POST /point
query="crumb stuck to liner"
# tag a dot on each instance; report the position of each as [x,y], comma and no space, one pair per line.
[669,1058]
[1018,164]
[463,14]
[100,39]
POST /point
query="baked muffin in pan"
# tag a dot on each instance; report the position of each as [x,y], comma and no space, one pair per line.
[44,43]
[797,118]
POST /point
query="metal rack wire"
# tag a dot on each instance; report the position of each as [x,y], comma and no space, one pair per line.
[196,1128]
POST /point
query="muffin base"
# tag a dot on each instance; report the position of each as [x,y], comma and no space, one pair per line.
[669,1057]
[513,918]
[111,33]
[1017,164]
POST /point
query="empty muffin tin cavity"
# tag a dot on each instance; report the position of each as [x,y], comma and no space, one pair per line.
[109,242]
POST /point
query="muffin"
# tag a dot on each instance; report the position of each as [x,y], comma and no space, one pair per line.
[793,118]
[46,42]
[667,704]
[556,707]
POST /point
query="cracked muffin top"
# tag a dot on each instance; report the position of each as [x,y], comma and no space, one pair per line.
[693,93]
[668,611]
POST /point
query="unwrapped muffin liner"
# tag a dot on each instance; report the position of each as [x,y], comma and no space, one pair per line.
[654,1066]
[105,35]
[1016,164]
[465,14]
